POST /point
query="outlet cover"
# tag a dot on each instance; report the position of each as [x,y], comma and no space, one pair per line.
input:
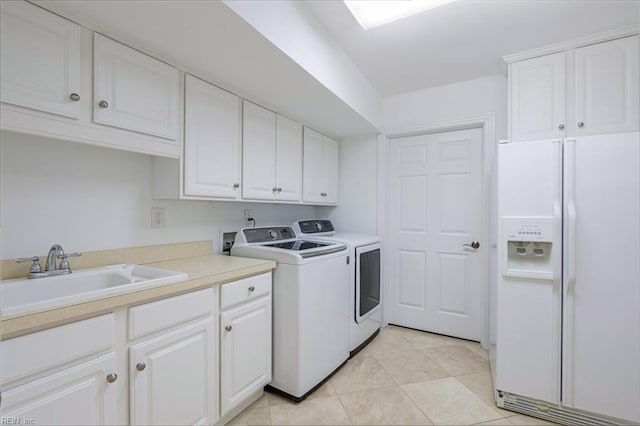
[157,217]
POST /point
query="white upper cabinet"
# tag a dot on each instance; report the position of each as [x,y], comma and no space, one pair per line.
[288,159]
[212,141]
[538,98]
[586,91]
[330,157]
[320,168]
[40,60]
[134,91]
[606,87]
[258,152]
[272,155]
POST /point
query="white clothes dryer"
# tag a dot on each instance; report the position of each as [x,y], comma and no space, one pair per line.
[365,299]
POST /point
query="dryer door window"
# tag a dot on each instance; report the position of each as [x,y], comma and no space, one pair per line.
[367,281]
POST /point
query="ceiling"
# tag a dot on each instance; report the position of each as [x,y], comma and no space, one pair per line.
[463,40]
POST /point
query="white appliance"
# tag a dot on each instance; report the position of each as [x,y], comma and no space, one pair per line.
[568,332]
[365,291]
[310,305]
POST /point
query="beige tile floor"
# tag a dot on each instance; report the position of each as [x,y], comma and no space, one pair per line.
[403,377]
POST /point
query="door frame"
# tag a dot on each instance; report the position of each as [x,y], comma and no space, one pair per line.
[485,122]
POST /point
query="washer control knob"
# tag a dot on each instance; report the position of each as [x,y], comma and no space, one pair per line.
[273,234]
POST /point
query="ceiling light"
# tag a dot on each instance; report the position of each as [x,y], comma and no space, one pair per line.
[373,13]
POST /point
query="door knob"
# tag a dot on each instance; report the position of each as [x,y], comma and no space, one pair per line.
[473,245]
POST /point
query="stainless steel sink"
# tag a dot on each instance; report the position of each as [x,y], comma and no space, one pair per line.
[24,296]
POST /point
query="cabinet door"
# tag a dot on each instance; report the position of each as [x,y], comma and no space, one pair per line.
[258,152]
[245,350]
[312,171]
[538,98]
[288,159]
[78,395]
[134,91]
[330,155]
[39,60]
[172,377]
[606,87]
[212,141]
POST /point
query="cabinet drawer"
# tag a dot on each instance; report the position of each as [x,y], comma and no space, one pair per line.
[33,353]
[155,316]
[246,289]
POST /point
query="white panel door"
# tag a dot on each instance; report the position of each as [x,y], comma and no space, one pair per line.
[288,159]
[245,351]
[39,60]
[134,91]
[77,395]
[258,152]
[435,194]
[606,87]
[538,98]
[212,141]
[330,158]
[601,356]
[312,169]
[172,377]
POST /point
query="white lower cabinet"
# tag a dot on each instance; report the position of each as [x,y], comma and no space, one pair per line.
[80,394]
[172,377]
[167,353]
[245,351]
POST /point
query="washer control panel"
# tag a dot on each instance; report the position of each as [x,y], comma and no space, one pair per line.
[315,226]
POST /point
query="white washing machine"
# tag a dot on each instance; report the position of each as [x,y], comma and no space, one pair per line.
[365,298]
[310,305]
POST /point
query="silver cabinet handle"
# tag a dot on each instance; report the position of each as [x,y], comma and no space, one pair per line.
[103,104]
[473,245]
[228,328]
[236,185]
[561,127]
[323,194]
[580,124]
[74,97]
[112,377]
[279,189]
[252,289]
[274,189]
[141,366]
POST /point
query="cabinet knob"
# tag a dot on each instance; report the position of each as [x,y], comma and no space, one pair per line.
[580,124]
[141,366]
[112,377]
[323,194]
[561,127]
[236,185]
[228,328]
[74,97]
[252,289]
[274,189]
[279,189]
[103,104]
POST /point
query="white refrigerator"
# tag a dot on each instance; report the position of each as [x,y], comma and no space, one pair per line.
[568,309]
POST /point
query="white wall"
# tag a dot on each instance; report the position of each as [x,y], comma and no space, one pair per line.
[89,198]
[356,211]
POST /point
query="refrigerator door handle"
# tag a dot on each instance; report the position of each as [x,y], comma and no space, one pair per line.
[570,155]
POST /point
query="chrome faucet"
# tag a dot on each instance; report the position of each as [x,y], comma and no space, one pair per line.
[51,269]
[54,251]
